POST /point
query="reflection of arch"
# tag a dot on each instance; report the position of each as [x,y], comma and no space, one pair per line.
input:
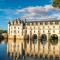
[14,38]
[43,39]
[34,38]
[54,39]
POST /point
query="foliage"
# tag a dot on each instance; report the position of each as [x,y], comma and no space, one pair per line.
[3,31]
[56,3]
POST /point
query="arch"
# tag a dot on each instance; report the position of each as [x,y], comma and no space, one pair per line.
[27,38]
[43,39]
[34,38]
[53,39]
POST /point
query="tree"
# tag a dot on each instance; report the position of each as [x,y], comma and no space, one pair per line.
[56,3]
[3,31]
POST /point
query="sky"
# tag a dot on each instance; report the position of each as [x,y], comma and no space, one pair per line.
[29,9]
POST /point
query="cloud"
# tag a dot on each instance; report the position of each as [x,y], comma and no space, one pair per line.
[39,12]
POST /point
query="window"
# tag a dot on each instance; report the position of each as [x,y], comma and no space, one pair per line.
[34,27]
[48,31]
[41,23]
[18,31]
[11,31]
[18,27]
[59,31]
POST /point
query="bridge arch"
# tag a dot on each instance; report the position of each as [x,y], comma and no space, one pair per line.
[54,39]
[43,39]
[35,38]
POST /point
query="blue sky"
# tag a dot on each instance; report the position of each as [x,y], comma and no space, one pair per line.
[12,9]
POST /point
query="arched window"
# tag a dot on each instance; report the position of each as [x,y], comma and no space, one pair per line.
[34,38]
[54,39]
[43,39]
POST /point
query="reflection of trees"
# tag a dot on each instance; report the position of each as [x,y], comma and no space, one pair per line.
[43,39]
[54,41]
[34,38]
[1,38]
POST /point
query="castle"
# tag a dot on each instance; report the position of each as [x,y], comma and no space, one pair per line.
[35,37]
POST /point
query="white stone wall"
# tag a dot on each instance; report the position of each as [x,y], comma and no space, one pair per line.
[43,29]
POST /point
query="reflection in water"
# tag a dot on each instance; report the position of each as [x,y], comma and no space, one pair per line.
[6,55]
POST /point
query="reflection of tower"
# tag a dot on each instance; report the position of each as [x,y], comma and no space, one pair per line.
[14,38]
[25,36]
[48,42]
[30,42]
[38,42]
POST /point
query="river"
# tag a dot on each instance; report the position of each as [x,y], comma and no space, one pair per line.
[4,55]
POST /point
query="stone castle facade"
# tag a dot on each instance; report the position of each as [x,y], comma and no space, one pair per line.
[35,37]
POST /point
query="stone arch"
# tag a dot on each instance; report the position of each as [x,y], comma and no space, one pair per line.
[43,39]
[53,39]
[27,38]
[34,38]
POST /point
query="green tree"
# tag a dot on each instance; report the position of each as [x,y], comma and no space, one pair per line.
[3,31]
[56,3]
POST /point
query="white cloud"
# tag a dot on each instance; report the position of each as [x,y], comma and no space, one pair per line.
[37,12]
[40,12]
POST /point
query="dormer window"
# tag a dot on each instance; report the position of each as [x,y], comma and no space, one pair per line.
[51,22]
[41,23]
